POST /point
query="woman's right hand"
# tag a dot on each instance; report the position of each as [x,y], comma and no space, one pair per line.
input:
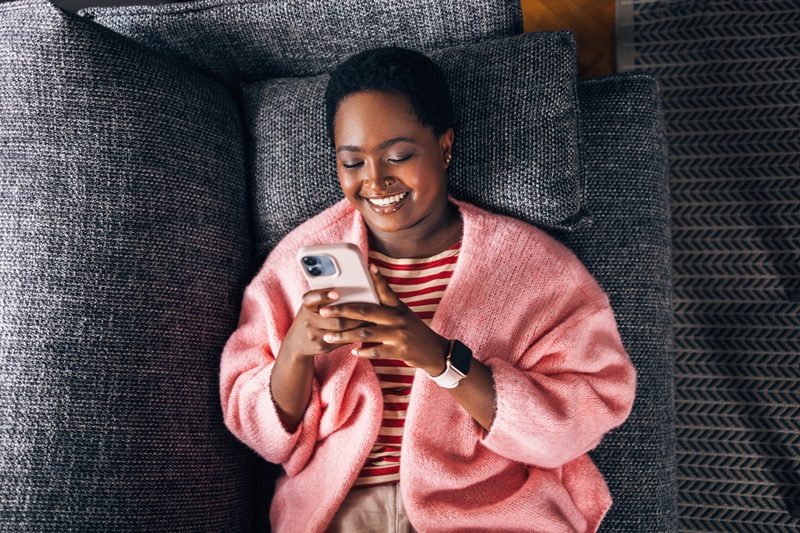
[305,336]
[293,373]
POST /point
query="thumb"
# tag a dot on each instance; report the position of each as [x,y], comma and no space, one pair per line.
[385,293]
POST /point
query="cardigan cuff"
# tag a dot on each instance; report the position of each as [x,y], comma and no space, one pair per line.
[293,449]
[503,438]
[516,432]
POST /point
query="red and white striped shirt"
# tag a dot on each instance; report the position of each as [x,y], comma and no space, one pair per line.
[420,284]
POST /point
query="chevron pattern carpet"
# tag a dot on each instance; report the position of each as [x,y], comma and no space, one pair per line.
[729,73]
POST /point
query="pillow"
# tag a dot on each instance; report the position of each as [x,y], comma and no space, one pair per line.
[516,149]
[516,118]
[247,40]
[123,254]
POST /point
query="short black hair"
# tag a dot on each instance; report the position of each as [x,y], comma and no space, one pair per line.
[397,71]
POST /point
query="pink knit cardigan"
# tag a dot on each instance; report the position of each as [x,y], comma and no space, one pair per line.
[528,309]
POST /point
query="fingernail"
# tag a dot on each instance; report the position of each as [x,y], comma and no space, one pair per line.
[354,351]
[373,269]
[324,311]
[333,295]
[328,337]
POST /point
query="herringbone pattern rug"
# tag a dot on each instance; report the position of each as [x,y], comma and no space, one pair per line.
[729,72]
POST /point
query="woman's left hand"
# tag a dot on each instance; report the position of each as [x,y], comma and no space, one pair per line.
[397,332]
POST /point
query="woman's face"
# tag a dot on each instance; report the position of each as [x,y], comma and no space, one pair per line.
[391,167]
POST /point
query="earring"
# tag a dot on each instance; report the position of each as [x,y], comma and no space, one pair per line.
[448,158]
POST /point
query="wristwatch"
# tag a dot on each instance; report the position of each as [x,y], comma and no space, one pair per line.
[458,361]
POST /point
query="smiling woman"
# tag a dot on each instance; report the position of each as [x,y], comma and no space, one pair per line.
[397,183]
[393,137]
[488,370]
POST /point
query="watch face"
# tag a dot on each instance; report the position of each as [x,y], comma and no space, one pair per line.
[461,358]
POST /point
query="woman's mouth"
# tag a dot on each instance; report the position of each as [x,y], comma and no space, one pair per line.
[388,201]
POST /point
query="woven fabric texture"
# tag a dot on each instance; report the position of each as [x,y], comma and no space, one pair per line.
[123,253]
[248,40]
[518,91]
[730,78]
[627,249]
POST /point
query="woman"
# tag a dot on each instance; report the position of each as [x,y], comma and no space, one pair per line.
[469,398]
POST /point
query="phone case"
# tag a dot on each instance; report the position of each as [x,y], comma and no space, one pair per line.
[338,266]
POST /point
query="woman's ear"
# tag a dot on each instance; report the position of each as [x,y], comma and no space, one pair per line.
[446,146]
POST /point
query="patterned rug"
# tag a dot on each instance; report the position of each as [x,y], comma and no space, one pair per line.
[729,73]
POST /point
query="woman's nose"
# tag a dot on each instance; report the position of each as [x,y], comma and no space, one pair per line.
[376,176]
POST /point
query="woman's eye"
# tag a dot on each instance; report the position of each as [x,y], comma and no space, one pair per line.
[401,158]
[352,165]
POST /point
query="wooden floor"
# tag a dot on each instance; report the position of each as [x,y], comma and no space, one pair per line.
[593,24]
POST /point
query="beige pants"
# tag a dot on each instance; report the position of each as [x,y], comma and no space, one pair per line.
[373,510]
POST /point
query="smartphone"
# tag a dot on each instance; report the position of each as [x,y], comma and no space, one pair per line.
[341,267]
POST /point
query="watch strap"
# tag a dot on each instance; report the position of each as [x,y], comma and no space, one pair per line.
[454,373]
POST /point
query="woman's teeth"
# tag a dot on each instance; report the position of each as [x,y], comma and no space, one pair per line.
[383,202]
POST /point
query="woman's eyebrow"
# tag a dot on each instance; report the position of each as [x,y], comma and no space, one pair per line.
[382,146]
[390,142]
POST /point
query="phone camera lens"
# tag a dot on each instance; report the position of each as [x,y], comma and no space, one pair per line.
[310,260]
[315,270]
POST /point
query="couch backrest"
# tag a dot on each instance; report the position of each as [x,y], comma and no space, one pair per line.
[249,40]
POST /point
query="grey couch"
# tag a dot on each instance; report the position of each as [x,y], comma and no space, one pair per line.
[151,156]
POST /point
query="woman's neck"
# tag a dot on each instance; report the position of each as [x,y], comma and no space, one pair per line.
[422,240]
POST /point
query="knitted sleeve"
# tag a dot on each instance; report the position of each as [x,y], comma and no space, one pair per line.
[571,383]
[245,372]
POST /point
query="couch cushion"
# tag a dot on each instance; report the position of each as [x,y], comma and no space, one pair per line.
[123,253]
[247,40]
[627,248]
[516,149]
